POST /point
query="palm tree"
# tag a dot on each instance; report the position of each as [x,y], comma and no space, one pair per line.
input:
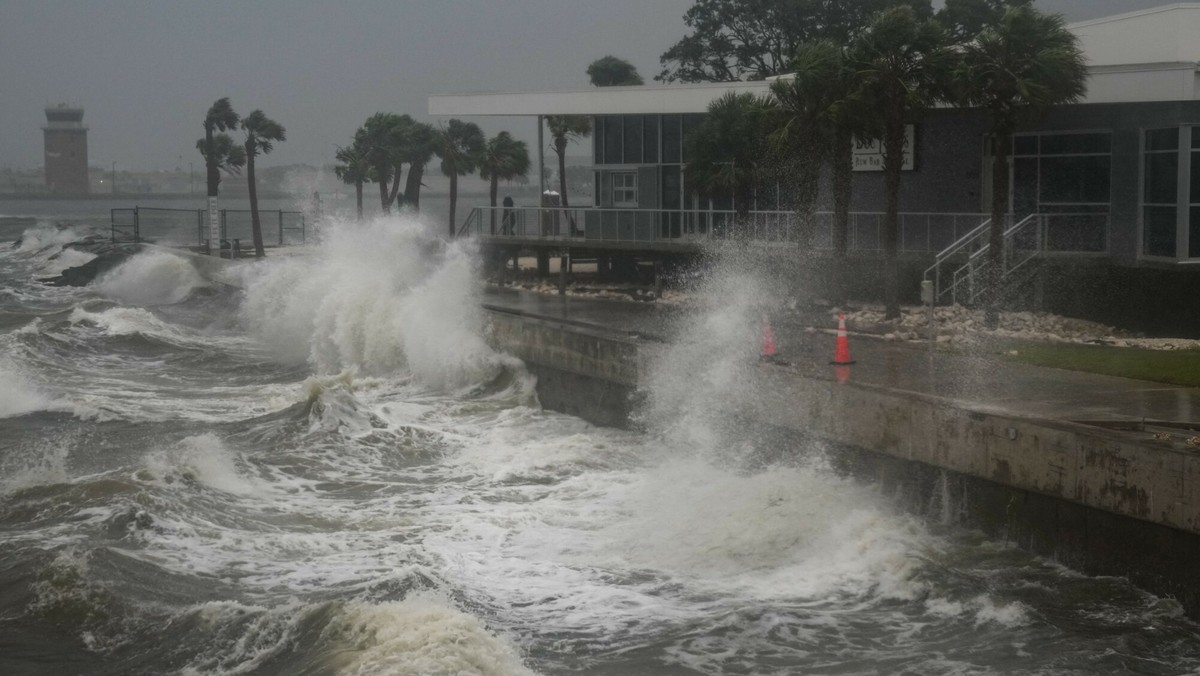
[563,130]
[503,158]
[901,61]
[262,133]
[1016,70]
[460,145]
[807,125]
[353,170]
[727,146]
[220,117]
[418,150]
[381,137]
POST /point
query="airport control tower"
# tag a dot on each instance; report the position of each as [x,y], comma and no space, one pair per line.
[66,150]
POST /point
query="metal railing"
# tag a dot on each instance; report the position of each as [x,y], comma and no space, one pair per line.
[918,232]
[1033,237]
[187,227]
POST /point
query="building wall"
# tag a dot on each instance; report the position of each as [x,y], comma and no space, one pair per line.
[66,161]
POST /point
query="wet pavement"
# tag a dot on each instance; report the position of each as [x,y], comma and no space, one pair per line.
[980,381]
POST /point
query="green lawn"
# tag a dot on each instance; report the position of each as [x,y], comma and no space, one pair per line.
[1180,367]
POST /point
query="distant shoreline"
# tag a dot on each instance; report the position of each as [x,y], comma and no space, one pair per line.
[127,196]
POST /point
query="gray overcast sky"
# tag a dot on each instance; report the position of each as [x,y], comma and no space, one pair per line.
[145,71]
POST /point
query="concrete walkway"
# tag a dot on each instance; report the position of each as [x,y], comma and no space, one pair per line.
[973,382]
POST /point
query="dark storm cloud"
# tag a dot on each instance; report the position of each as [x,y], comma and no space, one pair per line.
[146,71]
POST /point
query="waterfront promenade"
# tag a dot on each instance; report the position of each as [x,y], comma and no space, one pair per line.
[977,381]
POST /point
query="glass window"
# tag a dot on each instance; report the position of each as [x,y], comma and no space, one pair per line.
[633,138]
[649,138]
[1162,176]
[690,122]
[1158,231]
[1194,233]
[672,139]
[1162,139]
[1025,145]
[1076,144]
[598,140]
[624,189]
[672,189]
[1074,179]
[1194,195]
[612,139]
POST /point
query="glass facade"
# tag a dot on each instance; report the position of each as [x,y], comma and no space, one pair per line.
[1068,177]
[1160,192]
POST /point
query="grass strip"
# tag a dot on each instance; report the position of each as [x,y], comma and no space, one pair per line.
[1174,367]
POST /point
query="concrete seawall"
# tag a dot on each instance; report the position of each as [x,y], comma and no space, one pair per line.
[1099,500]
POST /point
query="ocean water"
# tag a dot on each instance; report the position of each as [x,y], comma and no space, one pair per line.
[332,473]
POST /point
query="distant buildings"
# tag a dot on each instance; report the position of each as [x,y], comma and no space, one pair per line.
[66,150]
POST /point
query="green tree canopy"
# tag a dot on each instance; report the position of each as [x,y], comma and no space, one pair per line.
[727,148]
[225,156]
[609,71]
[262,133]
[753,39]
[460,146]
[966,18]
[353,169]
[902,61]
[504,158]
[220,117]
[563,130]
[1016,69]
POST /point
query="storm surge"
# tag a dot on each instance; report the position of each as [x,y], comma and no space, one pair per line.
[330,471]
[378,297]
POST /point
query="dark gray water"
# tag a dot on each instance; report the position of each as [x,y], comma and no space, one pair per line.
[332,473]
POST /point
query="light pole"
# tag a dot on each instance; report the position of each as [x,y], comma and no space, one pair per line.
[114,178]
[191,179]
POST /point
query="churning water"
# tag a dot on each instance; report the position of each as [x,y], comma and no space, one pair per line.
[333,473]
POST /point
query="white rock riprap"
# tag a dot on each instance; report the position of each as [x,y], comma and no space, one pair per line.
[959,325]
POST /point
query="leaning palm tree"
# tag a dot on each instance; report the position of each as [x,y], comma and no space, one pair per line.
[353,170]
[222,154]
[381,138]
[727,147]
[503,158]
[460,145]
[418,150]
[262,133]
[563,130]
[901,61]
[220,117]
[807,125]
[1016,70]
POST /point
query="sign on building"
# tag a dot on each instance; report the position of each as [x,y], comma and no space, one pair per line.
[868,153]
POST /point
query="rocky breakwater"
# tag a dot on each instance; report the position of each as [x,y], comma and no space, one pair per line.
[81,261]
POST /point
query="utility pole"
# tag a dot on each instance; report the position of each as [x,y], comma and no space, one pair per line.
[114,178]
[191,179]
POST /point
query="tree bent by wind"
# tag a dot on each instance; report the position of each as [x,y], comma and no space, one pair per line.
[460,145]
[1016,70]
[504,158]
[220,153]
[901,61]
[262,133]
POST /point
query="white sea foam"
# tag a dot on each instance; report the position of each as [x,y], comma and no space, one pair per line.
[18,395]
[150,278]
[46,238]
[67,258]
[382,297]
[423,634]
[204,459]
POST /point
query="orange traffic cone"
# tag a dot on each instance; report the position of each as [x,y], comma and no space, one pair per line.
[768,341]
[841,355]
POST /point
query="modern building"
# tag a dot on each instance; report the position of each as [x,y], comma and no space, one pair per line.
[1106,185]
[65,139]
